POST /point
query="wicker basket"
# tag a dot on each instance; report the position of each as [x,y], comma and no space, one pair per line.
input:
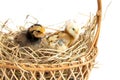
[72,70]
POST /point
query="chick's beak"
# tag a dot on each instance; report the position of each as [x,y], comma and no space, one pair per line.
[42,35]
[77,32]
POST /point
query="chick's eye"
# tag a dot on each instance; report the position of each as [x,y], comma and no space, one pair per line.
[38,31]
[73,29]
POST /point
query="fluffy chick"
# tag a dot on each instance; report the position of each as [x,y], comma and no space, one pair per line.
[35,32]
[30,37]
[63,39]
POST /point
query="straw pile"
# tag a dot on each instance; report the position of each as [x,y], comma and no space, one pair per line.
[11,51]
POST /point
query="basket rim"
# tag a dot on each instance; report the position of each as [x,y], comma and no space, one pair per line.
[46,67]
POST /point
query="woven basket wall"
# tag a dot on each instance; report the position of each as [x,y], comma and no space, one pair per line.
[72,70]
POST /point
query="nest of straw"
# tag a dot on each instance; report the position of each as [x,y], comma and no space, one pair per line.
[11,52]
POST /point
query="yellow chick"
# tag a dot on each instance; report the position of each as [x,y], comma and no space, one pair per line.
[61,40]
[31,37]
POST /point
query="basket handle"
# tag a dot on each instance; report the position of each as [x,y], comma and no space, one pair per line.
[99,17]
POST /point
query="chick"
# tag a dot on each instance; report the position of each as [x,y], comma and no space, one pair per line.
[62,40]
[35,32]
[30,37]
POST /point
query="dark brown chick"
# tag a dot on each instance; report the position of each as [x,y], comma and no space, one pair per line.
[31,37]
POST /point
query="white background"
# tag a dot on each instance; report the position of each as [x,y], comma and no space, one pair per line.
[50,12]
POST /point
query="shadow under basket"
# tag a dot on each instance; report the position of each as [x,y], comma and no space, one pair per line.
[75,66]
